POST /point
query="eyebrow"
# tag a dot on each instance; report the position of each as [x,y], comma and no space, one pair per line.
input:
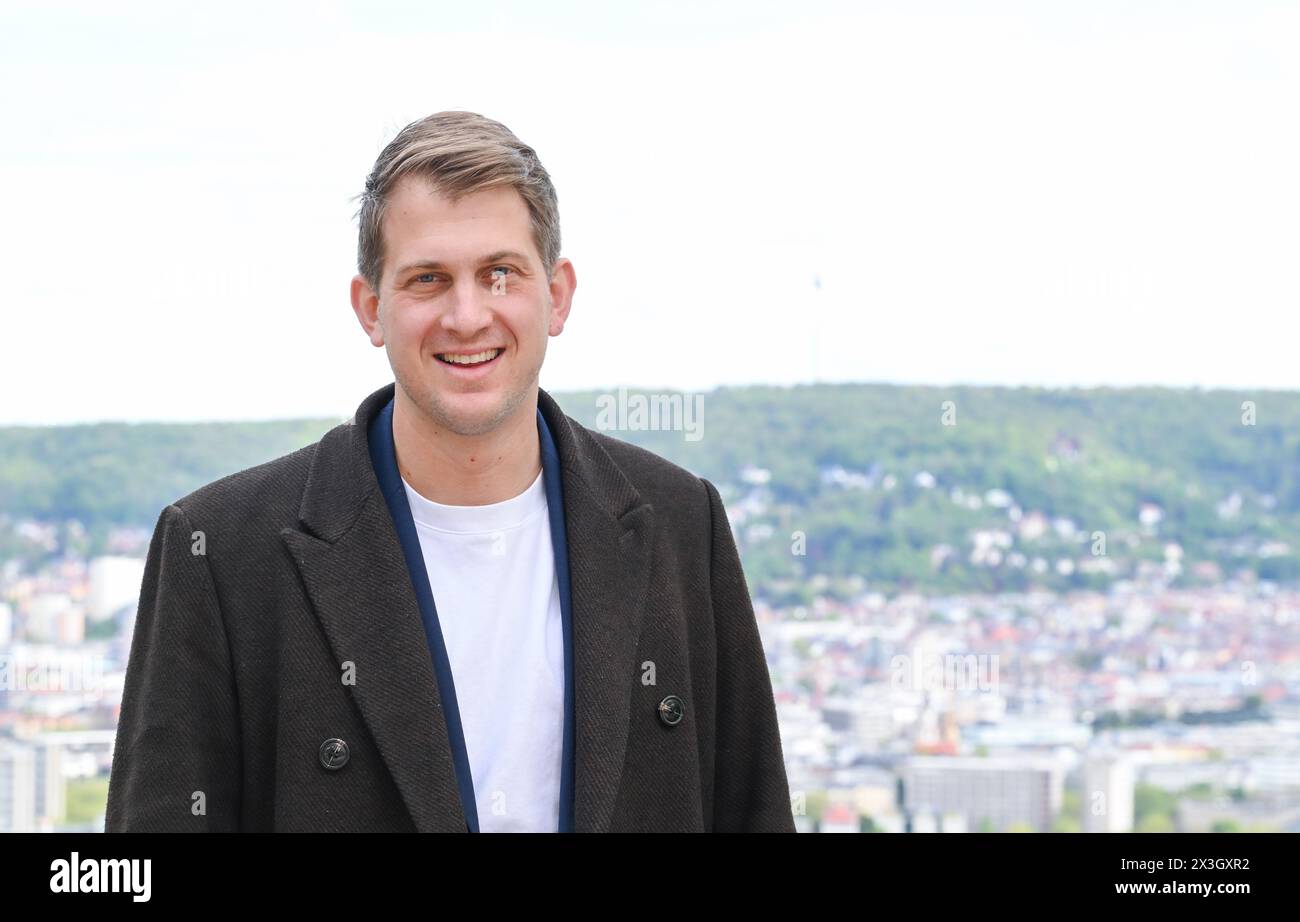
[490,258]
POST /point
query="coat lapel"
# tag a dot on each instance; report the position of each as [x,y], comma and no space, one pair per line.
[609,538]
[350,560]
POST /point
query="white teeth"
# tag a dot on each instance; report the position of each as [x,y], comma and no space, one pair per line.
[474,359]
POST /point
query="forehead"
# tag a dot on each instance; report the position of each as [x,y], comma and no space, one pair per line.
[421,222]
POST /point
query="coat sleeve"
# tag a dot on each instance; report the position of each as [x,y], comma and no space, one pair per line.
[750,790]
[176,758]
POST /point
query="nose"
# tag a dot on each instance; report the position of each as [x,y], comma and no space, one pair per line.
[468,312]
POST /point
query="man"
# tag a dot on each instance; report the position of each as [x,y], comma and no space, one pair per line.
[462,610]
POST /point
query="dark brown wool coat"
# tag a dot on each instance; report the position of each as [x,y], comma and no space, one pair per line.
[235,673]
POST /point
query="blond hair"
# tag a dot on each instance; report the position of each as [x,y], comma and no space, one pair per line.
[458,153]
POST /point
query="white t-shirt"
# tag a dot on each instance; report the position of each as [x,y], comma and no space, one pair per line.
[492,573]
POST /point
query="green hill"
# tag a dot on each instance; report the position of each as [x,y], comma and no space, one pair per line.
[880,488]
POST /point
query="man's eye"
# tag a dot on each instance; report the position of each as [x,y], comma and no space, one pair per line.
[500,271]
[424,277]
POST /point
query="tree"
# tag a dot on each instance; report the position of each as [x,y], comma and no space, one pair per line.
[1155,822]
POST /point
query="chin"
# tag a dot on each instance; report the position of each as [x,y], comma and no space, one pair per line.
[468,414]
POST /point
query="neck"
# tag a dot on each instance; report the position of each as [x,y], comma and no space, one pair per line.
[466,470]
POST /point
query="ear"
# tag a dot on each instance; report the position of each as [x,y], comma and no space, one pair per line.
[563,282]
[365,304]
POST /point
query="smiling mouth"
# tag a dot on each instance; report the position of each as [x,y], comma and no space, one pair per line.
[468,359]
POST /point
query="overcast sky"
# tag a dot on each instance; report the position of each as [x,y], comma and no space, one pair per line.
[1035,193]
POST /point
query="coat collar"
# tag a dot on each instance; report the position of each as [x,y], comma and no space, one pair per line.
[350,559]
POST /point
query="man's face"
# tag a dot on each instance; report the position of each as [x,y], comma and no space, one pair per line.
[464,308]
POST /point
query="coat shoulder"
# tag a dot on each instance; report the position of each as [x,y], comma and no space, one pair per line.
[657,479]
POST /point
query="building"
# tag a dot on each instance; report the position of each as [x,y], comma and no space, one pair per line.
[17,787]
[1108,783]
[994,792]
[114,582]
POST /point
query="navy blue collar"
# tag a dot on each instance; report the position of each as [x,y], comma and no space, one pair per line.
[383,456]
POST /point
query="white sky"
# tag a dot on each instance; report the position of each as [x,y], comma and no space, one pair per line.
[1035,193]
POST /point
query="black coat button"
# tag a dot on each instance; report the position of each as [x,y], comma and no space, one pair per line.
[334,754]
[671,710]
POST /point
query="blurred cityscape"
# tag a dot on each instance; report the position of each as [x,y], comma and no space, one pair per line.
[1156,704]
[1144,707]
